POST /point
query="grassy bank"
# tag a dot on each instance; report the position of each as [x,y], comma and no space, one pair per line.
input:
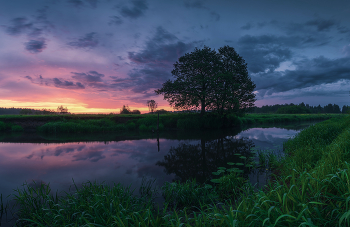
[10,127]
[113,123]
[310,188]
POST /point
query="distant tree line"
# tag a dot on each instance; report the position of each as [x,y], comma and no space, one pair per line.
[27,111]
[126,110]
[300,108]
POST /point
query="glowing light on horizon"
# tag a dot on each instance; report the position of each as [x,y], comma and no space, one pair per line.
[73,107]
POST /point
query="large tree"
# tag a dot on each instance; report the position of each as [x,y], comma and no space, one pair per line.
[209,80]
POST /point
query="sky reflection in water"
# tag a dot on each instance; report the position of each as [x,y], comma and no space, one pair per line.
[127,161]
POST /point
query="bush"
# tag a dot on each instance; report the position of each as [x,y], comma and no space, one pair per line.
[16,128]
[148,121]
[2,126]
[189,123]
[130,125]
[234,120]
[143,127]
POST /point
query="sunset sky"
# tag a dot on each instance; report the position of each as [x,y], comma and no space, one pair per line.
[97,55]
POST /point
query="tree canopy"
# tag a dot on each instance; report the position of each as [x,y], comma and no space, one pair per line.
[207,80]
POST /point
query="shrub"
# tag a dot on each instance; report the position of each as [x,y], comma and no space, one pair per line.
[189,123]
[130,125]
[2,126]
[16,128]
[148,121]
[143,127]
[234,120]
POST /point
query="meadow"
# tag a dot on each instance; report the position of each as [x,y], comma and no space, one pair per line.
[309,187]
[146,122]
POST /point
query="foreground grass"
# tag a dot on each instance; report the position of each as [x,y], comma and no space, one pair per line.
[310,188]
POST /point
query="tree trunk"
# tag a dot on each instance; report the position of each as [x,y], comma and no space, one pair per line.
[202,107]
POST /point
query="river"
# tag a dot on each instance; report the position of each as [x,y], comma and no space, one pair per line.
[127,158]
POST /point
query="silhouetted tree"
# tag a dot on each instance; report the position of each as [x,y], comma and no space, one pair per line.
[161,111]
[136,112]
[62,110]
[210,81]
[125,110]
[152,105]
[26,111]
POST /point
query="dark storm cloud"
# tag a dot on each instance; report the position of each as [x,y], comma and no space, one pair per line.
[92,79]
[308,73]
[248,26]
[155,63]
[91,76]
[342,29]
[115,20]
[160,49]
[55,82]
[81,3]
[265,52]
[141,80]
[88,41]
[67,84]
[92,156]
[137,10]
[320,24]
[35,46]
[19,26]
[33,28]
[316,29]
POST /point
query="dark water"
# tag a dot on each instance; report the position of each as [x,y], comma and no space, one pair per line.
[127,158]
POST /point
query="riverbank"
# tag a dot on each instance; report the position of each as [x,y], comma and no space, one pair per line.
[51,124]
[314,193]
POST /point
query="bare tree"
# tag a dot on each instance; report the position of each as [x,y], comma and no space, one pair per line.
[62,110]
[152,105]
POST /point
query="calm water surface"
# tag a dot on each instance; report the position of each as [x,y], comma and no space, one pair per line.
[126,159]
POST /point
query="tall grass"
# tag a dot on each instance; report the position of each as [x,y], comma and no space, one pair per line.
[75,126]
[10,127]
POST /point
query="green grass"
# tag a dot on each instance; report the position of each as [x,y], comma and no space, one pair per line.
[112,123]
[310,188]
[10,127]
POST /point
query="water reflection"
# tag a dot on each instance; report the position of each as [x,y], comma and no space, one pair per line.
[198,161]
[126,159]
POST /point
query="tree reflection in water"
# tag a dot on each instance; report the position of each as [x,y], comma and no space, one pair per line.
[188,161]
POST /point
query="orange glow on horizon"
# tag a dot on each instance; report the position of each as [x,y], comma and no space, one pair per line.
[77,108]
